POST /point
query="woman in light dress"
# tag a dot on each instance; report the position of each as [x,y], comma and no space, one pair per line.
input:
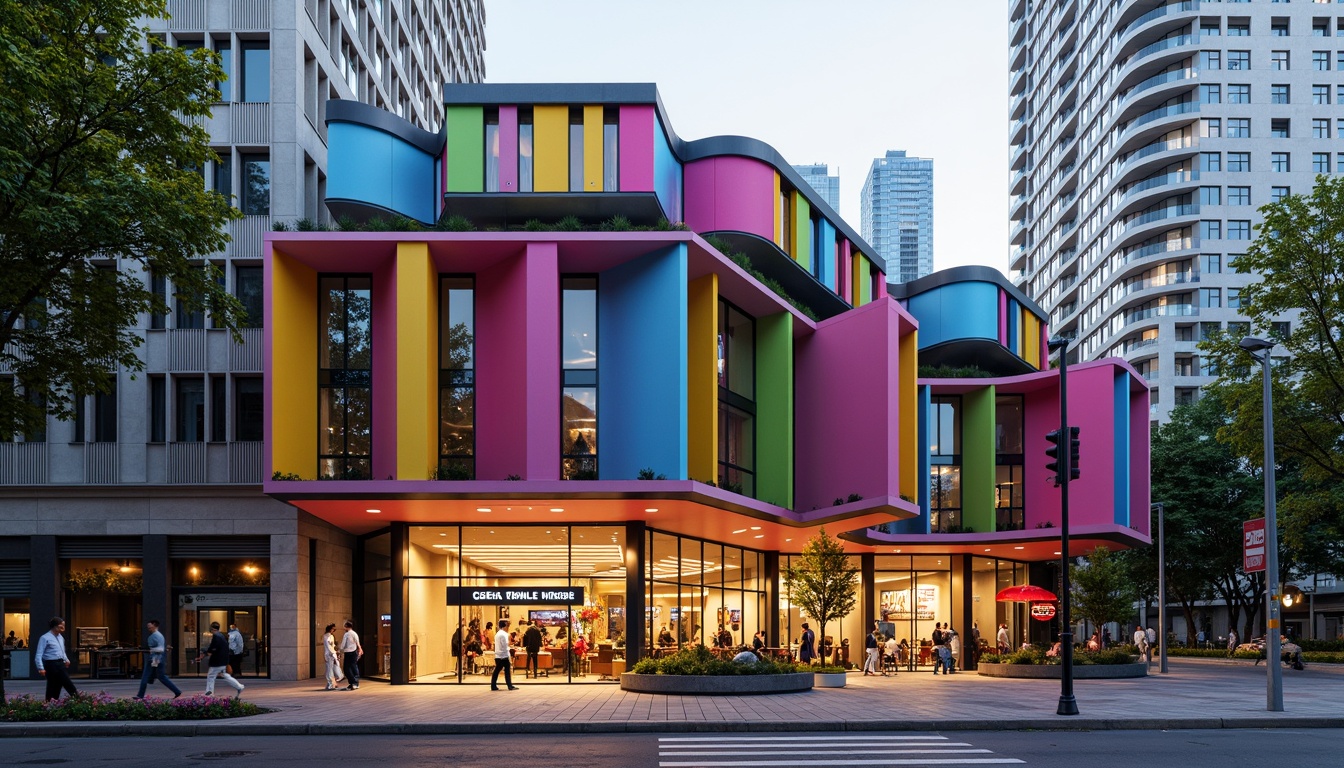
[333,659]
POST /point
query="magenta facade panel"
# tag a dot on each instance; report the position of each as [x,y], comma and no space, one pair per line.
[846,374]
[730,194]
[385,368]
[636,146]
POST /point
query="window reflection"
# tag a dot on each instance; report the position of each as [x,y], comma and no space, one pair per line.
[578,406]
[737,400]
[345,380]
[457,380]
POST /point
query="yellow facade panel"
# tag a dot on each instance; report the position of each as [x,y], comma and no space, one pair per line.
[702,378]
[417,362]
[292,379]
[550,163]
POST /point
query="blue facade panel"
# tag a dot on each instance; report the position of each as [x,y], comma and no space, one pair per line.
[824,255]
[366,165]
[667,179]
[1120,472]
[641,379]
[1014,321]
[959,311]
[921,524]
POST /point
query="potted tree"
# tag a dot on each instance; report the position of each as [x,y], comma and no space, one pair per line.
[822,581]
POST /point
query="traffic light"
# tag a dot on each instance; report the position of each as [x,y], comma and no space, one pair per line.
[1073,453]
[1053,453]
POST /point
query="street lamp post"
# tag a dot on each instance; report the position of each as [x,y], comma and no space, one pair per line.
[1068,705]
[1274,684]
[1162,586]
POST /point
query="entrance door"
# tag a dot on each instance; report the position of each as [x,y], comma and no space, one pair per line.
[195,615]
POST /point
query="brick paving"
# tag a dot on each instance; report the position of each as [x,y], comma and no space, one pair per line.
[1196,694]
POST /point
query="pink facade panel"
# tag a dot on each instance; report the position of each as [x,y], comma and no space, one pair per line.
[881,288]
[730,193]
[1140,495]
[518,367]
[1041,415]
[1092,409]
[1003,317]
[637,129]
[846,273]
[508,149]
[847,424]
[385,369]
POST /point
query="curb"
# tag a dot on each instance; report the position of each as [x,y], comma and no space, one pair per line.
[235,728]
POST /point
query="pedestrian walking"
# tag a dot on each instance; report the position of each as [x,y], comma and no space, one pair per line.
[1141,642]
[236,646]
[332,657]
[872,664]
[52,662]
[503,658]
[807,645]
[1231,641]
[351,653]
[532,643]
[218,665]
[156,663]
[1002,638]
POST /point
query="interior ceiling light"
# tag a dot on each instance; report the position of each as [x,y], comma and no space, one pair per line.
[759,536]
[740,530]
[651,509]
[554,509]
[482,509]
[1019,547]
[755,527]
[374,511]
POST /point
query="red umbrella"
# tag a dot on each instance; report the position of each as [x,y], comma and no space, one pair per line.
[1024,594]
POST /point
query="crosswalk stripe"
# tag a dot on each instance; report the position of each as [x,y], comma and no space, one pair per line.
[816,744]
[846,752]
[826,762]
[828,737]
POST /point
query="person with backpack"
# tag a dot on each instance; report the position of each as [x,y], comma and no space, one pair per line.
[218,665]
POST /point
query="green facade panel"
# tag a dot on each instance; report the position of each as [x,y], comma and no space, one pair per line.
[977,461]
[774,409]
[802,231]
[465,127]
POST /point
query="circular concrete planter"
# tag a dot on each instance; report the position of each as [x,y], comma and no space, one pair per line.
[1055,671]
[716,685]
[829,679]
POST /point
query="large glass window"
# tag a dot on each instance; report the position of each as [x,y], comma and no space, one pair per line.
[611,151]
[702,593]
[457,379]
[737,400]
[190,410]
[945,465]
[1009,507]
[256,80]
[247,286]
[578,360]
[247,409]
[492,151]
[524,150]
[576,149]
[256,185]
[345,377]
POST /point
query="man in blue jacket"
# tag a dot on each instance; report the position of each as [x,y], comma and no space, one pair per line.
[156,663]
[52,661]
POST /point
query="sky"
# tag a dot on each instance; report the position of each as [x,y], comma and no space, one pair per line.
[838,83]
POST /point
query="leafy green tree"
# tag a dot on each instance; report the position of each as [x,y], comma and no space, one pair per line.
[822,581]
[1298,260]
[1208,492]
[1101,589]
[101,148]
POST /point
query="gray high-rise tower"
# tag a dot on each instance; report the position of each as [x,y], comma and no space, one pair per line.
[896,214]
[819,177]
[1145,137]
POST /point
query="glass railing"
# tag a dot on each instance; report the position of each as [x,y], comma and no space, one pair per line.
[1161,146]
[1162,213]
[1162,79]
[1167,310]
[1145,251]
[1184,107]
[1178,177]
[1174,278]
[1162,45]
[1158,12]
[1130,346]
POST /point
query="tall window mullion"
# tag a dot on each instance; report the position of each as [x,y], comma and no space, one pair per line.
[945,465]
[578,374]
[345,377]
[457,379]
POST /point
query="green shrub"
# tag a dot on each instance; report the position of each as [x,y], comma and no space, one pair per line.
[699,661]
[456,223]
[825,670]
[616,223]
[1322,645]
[103,706]
[569,224]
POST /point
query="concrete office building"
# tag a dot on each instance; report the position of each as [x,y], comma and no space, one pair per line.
[1145,135]
[149,504]
[818,176]
[897,213]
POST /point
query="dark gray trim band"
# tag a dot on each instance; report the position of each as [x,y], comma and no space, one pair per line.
[359,113]
[971,273]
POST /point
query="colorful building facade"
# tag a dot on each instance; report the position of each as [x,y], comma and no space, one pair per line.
[538,399]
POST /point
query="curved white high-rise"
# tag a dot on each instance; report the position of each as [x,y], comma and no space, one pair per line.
[1145,136]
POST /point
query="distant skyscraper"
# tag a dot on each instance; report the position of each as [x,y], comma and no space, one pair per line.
[826,185]
[897,214]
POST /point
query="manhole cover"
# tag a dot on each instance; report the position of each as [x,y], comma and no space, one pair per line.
[222,755]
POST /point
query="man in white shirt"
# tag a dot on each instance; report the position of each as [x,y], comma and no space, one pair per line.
[1002,639]
[236,646]
[1141,642]
[52,661]
[503,658]
[351,653]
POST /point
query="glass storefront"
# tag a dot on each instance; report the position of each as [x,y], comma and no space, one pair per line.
[700,592]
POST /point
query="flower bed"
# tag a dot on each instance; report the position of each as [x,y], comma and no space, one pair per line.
[696,671]
[1035,655]
[105,707]
[699,661]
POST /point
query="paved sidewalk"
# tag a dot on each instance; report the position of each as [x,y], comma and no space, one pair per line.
[1196,694]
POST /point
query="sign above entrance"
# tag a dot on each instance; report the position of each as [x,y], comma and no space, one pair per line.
[1043,611]
[515,595]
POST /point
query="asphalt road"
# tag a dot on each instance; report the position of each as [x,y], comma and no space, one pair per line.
[1189,749]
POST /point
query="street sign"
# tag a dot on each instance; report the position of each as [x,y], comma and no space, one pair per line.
[1253,545]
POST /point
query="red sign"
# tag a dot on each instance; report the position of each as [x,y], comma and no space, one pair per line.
[1253,545]
[1043,611]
